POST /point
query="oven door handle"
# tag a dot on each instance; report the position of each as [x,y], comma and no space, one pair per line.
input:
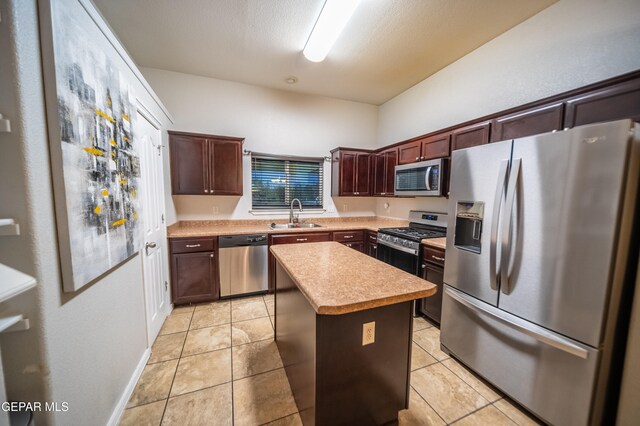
[404,249]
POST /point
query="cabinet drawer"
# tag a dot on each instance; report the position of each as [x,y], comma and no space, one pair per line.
[348,236]
[433,255]
[314,237]
[191,246]
[372,237]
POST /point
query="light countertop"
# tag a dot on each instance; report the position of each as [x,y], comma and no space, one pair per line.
[440,243]
[337,280]
[213,228]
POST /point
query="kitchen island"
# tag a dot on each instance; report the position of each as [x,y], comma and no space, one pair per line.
[343,328]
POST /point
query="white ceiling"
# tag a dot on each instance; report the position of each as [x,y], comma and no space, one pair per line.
[387,46]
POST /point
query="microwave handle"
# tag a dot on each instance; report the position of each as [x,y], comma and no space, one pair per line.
[426,178]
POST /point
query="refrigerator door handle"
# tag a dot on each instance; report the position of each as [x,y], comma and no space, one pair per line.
[505,287]
[518,324]
[493,265]
[427,175]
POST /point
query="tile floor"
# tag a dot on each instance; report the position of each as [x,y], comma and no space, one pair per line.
[218,364]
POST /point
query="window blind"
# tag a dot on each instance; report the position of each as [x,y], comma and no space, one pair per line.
[275,181]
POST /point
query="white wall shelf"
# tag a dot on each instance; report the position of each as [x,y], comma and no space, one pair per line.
[13,282]
[9,227]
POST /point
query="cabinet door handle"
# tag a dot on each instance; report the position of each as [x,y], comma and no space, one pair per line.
[206,190]
[417,158]
[375,247]
[211,255]
[301,239]
[192,245]
[441,259]
[348,244]
[424,266]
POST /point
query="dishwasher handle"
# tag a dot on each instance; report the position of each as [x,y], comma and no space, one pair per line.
[226,241]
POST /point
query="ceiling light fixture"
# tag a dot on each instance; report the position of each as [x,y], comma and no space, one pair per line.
[333,18]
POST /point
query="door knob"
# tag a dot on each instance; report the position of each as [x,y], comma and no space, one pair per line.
[147,246]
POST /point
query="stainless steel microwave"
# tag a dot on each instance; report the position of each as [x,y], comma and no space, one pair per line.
[421,179]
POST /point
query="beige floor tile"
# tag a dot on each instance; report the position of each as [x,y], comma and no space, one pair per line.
[211,407]
[419,323]
[176,323]
[144,415]
[184,309]
[292,420]
[241,300]
[420,358]
[167,347]
[271,307]
[429,340]
[210,317]
[419,413]
[202,371]
[445,392]
[154,383]
[262,398]
[213,305]
[254,358]
[251,331]
[484,389]
[515,413]
[488,415]
[248,310]
[207,339]
[268,297]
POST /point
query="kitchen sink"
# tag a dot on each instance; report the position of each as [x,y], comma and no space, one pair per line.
[294,225]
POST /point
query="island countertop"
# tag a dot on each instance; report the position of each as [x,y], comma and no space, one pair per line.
[337,280]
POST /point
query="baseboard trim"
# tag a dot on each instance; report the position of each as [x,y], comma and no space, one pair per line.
[122,403]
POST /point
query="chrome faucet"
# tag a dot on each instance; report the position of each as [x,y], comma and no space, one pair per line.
[292,218]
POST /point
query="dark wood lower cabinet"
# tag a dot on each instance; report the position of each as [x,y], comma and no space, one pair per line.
[336,380]
[432,269]
[371,244]
[194,271]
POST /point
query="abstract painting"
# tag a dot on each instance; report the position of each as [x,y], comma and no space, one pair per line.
[99,162]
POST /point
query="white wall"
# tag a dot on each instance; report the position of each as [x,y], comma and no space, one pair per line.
[271,121]
[84,347]
[568,45]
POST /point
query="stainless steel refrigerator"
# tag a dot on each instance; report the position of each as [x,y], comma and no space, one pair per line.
[537,279]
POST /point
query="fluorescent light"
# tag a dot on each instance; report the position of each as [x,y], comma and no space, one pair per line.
[334,16]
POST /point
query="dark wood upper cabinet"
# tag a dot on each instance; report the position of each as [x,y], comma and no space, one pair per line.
[383,172]
[473,135]
[436,146]
[606,104]
[350,172]
[409,152]
[533,121]
[205,164]
[226,169]
[189,169]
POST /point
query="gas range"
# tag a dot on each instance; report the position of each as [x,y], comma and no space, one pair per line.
[423,225]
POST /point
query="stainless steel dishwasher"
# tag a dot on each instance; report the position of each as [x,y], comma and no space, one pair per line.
[243,264]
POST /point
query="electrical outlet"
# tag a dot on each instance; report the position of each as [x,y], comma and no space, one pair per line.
[368,333]
[345,207]
[216,209]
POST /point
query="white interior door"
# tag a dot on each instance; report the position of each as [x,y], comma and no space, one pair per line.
[154,252]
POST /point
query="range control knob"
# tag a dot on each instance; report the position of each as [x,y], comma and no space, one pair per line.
[395,239]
